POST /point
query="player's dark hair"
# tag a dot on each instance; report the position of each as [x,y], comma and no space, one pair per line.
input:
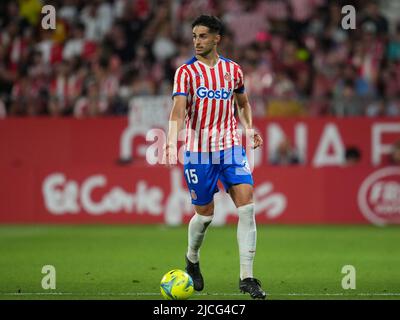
[211,22]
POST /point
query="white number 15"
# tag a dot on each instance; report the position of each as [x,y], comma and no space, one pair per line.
[191,176]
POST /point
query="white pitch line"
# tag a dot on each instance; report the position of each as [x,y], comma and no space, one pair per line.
[337,294]
[196,294]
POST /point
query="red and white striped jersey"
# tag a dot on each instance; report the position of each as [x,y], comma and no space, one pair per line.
[210,121]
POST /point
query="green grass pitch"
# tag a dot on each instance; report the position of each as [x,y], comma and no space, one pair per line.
[127,262]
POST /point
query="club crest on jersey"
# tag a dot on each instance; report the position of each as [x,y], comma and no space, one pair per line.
[227,76]
[203,92]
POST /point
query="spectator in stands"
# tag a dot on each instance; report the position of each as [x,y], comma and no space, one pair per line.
[51,51]
[92,103]
[118,43]
[352,156]
[7,76]
[97,16]
[298,57]
[393,51]
[390,79]
[30,10]
[285,154]
[349,74]
[373,17]
[24,96]
[68,11]
[65,87]
[347,103]
[393,106]
[376,108]
[394,158]
[3,111]
[78,45]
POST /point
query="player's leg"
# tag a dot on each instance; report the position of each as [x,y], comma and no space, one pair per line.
[238,180]
[241,195]
[201,180]
[197,228]
[196,231]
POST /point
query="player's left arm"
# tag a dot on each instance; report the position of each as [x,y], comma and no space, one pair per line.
[245,116]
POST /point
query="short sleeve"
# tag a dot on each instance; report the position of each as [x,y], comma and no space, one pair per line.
[239,83]
[181,85]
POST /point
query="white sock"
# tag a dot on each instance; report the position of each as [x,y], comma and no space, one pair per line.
[197,229]
[247,238]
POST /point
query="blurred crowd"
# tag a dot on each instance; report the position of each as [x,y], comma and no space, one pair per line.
[296,57]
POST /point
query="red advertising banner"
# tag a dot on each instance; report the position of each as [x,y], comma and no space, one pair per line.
[95,171]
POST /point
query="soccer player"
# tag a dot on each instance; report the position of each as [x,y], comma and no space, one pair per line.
[206,89]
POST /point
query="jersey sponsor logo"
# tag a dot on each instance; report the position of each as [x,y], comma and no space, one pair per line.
[203,92]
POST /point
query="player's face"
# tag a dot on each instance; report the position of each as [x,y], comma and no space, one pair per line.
[204,41]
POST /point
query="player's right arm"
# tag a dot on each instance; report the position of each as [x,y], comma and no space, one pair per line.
[175,125]
[177,115]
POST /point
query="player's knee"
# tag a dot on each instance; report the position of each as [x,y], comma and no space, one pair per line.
[206,210]
[246,201]
[206,213]
[242,195]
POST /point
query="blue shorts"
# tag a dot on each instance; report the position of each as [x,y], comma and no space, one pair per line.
[202,171]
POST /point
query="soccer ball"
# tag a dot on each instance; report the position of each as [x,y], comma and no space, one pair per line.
[176,285]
